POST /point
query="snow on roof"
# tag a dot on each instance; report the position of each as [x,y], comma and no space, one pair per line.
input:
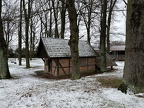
[118,48]
[56,47]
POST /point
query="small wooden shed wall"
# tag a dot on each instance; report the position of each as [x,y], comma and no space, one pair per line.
[62,66]
[56,56]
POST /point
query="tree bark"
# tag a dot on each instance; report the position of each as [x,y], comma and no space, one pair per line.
[103,67]
[31,39]
[55,18]
[20,36]
[27,20]
[89,20]
[63,12]
[134,65]
[50,21]
[74,39]
[4,69]
[112,4]
[89,27]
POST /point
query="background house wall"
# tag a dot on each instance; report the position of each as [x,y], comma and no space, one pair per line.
[118,52]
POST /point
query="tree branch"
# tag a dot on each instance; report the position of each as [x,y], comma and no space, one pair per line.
[125,2]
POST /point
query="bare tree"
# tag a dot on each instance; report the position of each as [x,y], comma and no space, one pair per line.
[63,16]
[110,10]
[9,21]
[33,37]
[125,2]
[4,69]
[20,35]
[103,37]
[27,15]
[74,39]
[87,11]
[55,9]
[44,11]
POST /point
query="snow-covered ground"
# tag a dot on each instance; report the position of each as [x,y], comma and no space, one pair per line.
[25,90]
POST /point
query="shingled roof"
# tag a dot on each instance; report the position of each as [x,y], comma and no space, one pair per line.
[118,48]
[55,47]
[109,60]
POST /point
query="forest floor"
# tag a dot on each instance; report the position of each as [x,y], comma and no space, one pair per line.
[28,90]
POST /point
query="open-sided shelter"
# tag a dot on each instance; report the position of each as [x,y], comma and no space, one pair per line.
[118,52]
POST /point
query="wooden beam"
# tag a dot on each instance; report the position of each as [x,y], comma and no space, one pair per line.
[87,64]
[69,65]
[55,70]
[62,68]
[59,64]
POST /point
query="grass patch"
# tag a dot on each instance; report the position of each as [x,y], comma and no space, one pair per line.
[109,82]
[40,72]
[36,67]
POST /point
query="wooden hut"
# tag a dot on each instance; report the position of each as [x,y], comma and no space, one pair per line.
[57,57]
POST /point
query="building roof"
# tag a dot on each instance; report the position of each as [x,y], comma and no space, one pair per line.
[118,48]
[56,47]
[109,60]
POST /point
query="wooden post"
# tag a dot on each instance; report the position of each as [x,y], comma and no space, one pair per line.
[57,66]
[69,65]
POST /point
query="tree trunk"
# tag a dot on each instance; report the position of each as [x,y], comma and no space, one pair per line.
[50,21]
[27,44]
[89,20]
[27,20]
[134,65]
[31,39]
[56,19]
[46,25]
[63,12]
[4,69]
[33,45]
[20,36]
[112,4]
[8,36]
[103,37]
[89,27]
[74,39]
